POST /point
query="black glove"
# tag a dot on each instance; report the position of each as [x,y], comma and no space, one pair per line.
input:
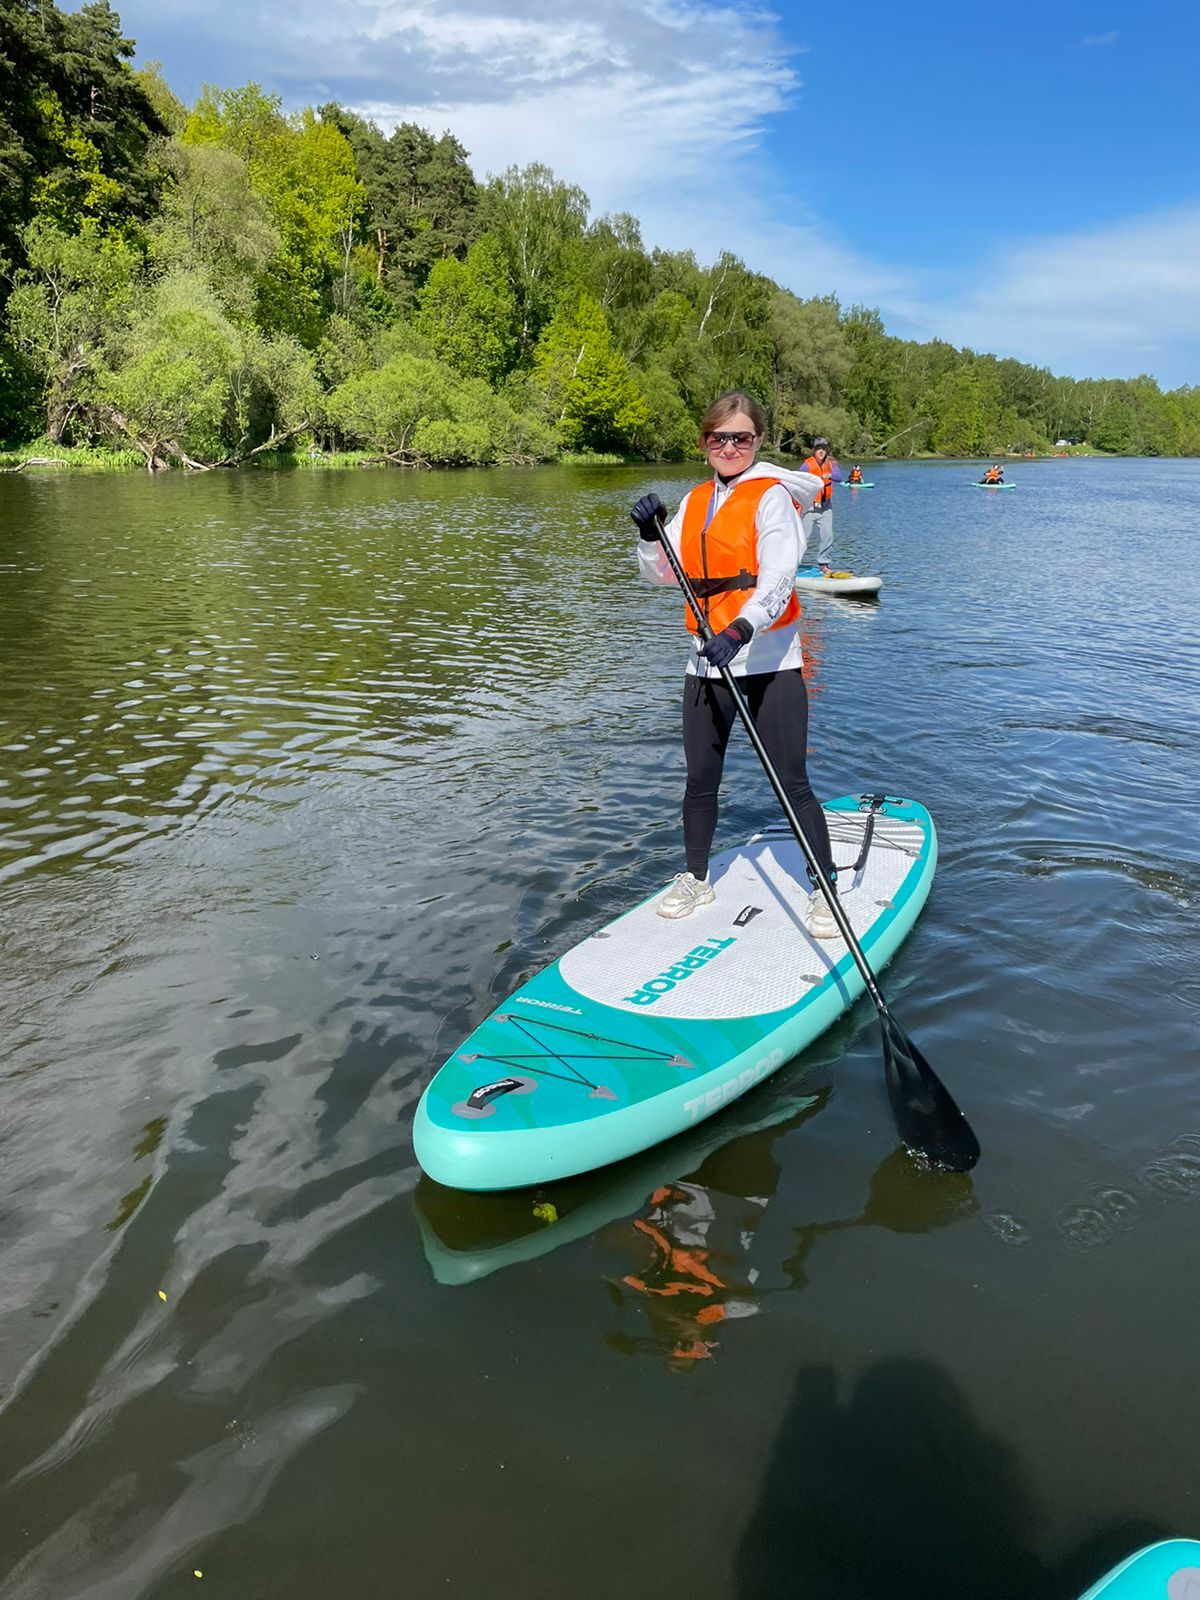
[649,514]
[722,647]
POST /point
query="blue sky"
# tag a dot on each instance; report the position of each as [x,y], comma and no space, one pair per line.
[1024,181]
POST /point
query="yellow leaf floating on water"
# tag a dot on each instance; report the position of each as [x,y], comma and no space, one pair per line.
[196,1573]
[545,1212]
[162,1294]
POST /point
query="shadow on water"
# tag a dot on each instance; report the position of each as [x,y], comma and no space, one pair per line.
[895,1490]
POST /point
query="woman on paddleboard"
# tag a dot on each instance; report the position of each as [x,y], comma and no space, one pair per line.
[740,540]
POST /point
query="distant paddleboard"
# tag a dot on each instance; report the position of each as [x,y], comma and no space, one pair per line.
[858,485]
[650,1026]
[993,486]
[813,581]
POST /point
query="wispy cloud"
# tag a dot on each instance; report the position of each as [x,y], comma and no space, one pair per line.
[1116,300]
[1095,40]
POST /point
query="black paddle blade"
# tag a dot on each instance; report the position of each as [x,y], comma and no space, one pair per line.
[929,1121]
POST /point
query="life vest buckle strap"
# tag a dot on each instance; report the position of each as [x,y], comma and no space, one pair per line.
[706,587]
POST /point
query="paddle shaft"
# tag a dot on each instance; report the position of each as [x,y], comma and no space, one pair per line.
[776,782]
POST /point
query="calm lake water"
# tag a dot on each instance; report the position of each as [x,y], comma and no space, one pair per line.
[300,774]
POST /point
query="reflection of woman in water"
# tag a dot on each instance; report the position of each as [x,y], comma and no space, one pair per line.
[693,1240]
[691,1283]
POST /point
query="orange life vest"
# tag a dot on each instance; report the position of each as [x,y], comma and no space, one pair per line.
[720,556]
[856,476]
[825,473]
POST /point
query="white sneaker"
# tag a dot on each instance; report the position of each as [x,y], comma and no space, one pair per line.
[820,918]
[684,895]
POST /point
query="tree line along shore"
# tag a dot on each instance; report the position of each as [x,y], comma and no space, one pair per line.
[225,283]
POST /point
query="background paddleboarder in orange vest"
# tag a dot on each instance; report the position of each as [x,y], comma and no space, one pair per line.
[818,523]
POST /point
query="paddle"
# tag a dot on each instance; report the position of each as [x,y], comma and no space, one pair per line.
[928,1120]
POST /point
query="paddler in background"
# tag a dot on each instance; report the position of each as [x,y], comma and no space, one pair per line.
[994,474]
[739,540]
[818,522]
[855,475]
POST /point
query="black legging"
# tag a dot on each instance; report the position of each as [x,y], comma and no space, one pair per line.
[778,703]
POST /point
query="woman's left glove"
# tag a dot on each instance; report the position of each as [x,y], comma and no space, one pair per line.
[722,647]
[649,515]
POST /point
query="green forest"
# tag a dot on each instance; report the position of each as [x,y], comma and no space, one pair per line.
[211,284]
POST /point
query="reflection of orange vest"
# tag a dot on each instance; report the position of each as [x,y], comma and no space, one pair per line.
[721,557]
[825,473]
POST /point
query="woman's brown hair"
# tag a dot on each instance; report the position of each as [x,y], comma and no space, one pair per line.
[728,405]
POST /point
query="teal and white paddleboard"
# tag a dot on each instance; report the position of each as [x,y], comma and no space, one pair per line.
[993,486]
[1166,1571]
[649,1026]
[858,485]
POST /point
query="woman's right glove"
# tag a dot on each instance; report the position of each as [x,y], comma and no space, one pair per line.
[649,514]
[722,647]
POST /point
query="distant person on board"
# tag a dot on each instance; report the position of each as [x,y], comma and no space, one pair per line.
[994,474]
[739,540]
[818,522]
[855,475]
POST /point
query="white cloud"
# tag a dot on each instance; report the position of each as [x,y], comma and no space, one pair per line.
[1095,40]
[1112,301]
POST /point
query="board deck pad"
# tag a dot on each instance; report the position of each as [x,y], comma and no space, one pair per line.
[650,1025]
[777,960]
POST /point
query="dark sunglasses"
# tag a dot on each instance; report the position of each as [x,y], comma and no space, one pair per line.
[742,441]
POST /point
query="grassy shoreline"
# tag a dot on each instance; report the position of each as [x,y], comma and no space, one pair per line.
[41,457]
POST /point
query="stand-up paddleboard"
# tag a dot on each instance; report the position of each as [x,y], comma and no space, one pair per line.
[470,1236]
[858,485]
[811,580]
[1166,1571]
[651,1025]
[993,486]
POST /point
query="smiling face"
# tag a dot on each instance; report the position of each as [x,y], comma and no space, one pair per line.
[732,447]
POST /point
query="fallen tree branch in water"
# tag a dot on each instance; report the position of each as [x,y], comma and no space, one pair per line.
[37,461]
